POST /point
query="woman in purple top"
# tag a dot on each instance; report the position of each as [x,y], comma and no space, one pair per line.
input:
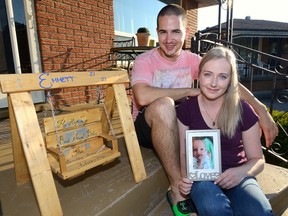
[235,191]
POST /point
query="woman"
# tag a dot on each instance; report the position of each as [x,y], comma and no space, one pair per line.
[235,191]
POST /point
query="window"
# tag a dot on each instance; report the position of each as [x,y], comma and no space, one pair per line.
[129,15]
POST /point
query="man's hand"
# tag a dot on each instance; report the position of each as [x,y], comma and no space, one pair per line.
[266,121]
[268,126]
[185,186]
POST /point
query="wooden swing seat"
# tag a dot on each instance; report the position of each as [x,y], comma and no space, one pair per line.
[82,144]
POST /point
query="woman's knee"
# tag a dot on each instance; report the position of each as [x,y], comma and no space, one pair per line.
[210,200]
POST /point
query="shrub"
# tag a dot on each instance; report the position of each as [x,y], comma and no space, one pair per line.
[281,118]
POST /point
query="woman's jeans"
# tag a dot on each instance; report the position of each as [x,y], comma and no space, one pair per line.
[245,199]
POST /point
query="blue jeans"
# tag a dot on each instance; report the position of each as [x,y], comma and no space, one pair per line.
[245,199]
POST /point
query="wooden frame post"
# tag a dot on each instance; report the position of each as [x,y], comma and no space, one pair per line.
[35,153]
[20,164]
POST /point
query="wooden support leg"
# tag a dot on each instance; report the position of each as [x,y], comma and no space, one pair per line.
[130,136]
[20,165]
[35,153]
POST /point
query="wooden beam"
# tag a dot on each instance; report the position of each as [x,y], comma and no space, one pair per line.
[35,153]
[20,165]
[130,136]
[45,81]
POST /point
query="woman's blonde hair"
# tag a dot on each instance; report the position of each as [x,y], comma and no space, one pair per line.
[231,110]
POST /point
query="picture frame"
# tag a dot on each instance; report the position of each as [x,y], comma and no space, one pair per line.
[203,154]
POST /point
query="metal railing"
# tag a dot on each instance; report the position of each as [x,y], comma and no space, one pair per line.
[254,72]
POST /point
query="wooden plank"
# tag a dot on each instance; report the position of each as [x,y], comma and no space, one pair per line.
[89,162]
[74,136]
[45,81]
[130,136]
[6,157]
[35,153]
[81,150]
[20,165]
[5,149]
[70,120]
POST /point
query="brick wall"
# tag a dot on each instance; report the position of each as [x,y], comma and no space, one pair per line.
[74,36]
[192,16]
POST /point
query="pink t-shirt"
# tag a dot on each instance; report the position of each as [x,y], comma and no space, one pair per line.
[154,70]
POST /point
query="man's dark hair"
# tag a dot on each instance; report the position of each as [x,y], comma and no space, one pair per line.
[173,9]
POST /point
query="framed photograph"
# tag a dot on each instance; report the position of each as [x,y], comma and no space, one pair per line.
[203,154]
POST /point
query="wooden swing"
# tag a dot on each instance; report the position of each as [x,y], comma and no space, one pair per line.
[81,136]
[75,141]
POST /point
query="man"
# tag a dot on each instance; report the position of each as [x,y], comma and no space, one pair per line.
[162,77]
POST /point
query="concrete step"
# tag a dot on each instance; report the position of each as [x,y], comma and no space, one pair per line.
[162,209]
[106,190]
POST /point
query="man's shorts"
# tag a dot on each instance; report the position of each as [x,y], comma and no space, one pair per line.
[143,130]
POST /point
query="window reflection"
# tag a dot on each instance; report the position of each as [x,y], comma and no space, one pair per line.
[129,15]
[6,56]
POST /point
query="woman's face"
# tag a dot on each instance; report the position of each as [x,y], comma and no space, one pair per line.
[199,149]
[171,35]
[215,78]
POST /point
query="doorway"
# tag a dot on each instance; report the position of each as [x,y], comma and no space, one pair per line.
[19,48]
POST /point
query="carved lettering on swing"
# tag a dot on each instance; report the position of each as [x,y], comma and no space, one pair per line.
[46,82]
[75,151]
[85,163]
[76,135]
[81,156]
[62,123]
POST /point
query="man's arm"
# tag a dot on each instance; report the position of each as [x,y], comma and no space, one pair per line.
[266,121]
[146,94]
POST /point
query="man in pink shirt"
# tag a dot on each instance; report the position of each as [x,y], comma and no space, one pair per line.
[162,77]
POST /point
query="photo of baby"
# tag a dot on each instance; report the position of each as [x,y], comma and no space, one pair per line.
[203,153]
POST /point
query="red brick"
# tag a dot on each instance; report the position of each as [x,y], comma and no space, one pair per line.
[63,6]
[71,14]
[64,19]
[84,5]
[65,31]
[66,43]
[70,2]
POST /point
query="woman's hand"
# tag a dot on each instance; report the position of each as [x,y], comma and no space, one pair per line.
[185,186]
[230,178]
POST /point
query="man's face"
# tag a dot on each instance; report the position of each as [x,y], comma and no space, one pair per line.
[171,35]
